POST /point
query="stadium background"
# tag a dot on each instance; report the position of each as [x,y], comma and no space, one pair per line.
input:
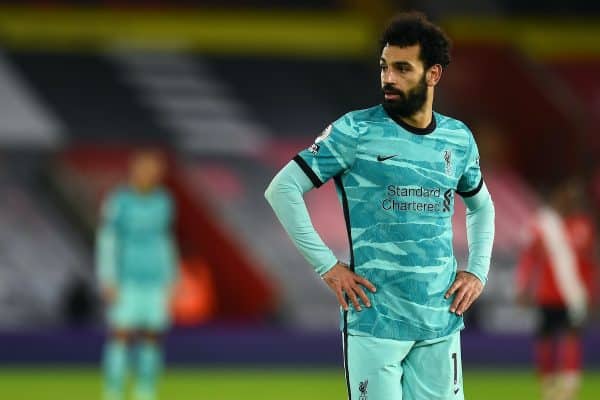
[232,90]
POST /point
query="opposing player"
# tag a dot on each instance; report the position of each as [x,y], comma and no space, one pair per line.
[557,273]
[137,267]
[397,167]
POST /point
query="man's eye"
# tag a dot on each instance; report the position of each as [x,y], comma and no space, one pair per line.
[383,67]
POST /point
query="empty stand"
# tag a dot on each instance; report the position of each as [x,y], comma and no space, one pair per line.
[42,260]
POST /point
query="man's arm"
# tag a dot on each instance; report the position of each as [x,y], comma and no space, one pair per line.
[468,284]
[480,232]
[285,195]
[106,250]
[524,272]
[172,247]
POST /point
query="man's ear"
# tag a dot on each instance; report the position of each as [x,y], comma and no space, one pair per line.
[433,75]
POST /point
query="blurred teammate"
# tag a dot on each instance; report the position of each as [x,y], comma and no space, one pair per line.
[396,167]
[137,266]
[556,274]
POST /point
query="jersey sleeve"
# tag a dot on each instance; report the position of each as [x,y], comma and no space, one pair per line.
[528,261]
[480,232]
[284,194]
[107,241]
[174,257]
[332,153]
[471,180]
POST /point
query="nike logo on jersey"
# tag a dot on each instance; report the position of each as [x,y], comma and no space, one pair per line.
[456,390]
[383,158]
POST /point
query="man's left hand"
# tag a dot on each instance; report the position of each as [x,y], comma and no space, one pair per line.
[467,288]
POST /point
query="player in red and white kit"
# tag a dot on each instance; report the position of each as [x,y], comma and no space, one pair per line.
[557,273]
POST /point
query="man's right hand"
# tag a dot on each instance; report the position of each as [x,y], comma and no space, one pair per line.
[345,282]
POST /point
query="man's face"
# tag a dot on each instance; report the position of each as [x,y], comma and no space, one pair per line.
[403,80]
[147,171]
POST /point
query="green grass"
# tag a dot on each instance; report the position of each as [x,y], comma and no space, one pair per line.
[274,384]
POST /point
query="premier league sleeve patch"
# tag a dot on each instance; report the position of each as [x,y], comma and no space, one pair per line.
[314,148]
[324,135]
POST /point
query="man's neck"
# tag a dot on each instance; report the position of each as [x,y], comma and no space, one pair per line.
[421,120]
[142,190]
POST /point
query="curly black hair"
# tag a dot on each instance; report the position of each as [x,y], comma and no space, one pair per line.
[408,29]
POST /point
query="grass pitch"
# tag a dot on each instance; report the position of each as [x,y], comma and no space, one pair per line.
[265,384]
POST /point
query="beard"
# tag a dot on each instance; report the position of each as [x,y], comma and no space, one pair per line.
[408,104]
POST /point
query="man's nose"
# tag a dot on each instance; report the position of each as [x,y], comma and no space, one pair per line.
[389,76]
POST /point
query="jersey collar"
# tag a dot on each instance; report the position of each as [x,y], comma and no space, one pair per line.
[413,129]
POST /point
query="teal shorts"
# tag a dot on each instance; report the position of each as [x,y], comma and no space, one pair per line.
[385,369]
[140,308]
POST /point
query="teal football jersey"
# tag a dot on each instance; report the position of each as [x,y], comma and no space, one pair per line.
[139,226]
[396,184]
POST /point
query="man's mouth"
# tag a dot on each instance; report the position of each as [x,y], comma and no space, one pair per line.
[391,96]
[391,93]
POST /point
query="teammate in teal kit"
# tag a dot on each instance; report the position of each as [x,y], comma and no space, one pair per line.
[137,267]
[397,167]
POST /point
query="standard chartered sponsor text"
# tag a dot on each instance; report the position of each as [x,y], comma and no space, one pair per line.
[397,199]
